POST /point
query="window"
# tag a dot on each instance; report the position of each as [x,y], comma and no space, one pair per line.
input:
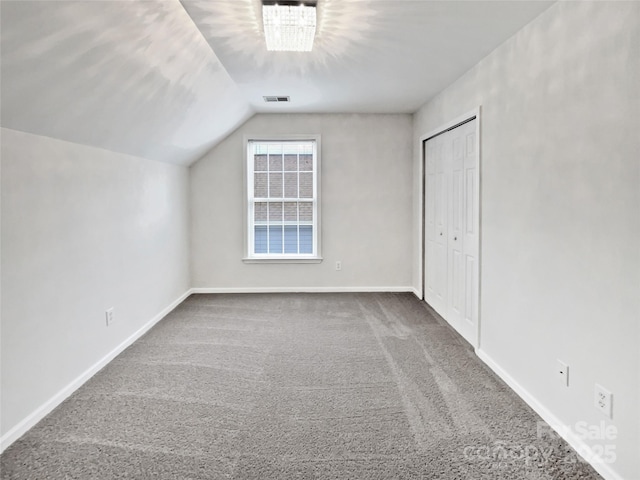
[282,185]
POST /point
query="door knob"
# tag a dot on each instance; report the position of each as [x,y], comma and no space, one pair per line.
[455,238]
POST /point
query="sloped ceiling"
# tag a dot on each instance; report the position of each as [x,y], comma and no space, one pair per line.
[131,76]
[168,79]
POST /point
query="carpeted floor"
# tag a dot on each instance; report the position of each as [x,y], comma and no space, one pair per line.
[295,386]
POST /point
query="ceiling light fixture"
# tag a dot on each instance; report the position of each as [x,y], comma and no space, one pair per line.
[289,26]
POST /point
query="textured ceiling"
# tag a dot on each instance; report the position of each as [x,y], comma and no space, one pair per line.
[168,79]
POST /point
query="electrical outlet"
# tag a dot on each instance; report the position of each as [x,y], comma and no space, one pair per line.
[338,265]
[562,371]
[109,316]
[604,400]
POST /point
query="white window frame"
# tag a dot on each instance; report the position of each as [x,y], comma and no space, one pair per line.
[250,256]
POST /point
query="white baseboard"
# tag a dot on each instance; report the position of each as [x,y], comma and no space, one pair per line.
[46,408]
[567,434]
[303,290]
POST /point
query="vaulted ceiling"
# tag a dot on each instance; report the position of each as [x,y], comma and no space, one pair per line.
[168,79]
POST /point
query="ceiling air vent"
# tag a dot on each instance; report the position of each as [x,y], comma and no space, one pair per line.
[276,99]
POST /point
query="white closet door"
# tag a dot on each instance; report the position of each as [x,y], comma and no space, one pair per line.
[451,228]
[471,237]
[455,244]
[436,227]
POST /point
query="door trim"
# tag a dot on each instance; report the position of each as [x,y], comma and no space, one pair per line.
[450,125]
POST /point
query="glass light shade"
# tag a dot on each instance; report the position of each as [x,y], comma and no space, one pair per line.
[289,28]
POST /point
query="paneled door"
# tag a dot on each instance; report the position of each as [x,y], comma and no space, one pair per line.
[451,227]
[436,219]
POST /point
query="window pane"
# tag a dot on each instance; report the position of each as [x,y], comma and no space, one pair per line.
[275,162]
[291,184]
[275,185]
[290,239]
[260,212]
[260,163]
[306,163]
[306,185]
[275,239]
[260,239]
[291,163]
[275,212]
[306,239]
[290,211]
[260,185]
[306,211]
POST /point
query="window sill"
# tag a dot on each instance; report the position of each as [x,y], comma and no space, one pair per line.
[282,259]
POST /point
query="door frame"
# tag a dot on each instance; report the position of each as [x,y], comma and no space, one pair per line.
[450,125]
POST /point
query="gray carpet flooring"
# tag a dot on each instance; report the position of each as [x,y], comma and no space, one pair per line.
[295,386]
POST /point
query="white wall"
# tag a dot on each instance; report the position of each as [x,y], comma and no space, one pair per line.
[83,229]
[560,261]
[366,204]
